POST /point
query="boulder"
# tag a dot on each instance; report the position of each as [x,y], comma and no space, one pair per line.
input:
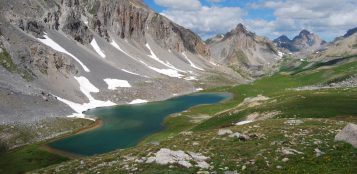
[222,132]
[348,135]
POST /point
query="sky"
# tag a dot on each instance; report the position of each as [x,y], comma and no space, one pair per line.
[270,18]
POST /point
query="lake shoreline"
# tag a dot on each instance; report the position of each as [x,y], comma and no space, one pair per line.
[96,124]
[99,123]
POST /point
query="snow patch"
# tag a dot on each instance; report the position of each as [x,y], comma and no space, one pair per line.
[212,63]
[244,122]
[97,48]
[191,78]
[115,45]
[51,43]
[129,72]
[191,63]
[86,88]
[138,101]
[199,89]
[113,84]
[168,72]
[154,56]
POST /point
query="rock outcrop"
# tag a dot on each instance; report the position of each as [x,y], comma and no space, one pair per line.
[348,134]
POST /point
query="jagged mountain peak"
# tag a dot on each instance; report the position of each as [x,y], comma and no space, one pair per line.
[305,42]
[240,28]
[282,39]
[304,32]
[243,50]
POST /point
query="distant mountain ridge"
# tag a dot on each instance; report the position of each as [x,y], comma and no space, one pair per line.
[304,43]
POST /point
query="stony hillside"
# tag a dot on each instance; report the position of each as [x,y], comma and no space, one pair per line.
[342,47]
[72,55]
[244,51]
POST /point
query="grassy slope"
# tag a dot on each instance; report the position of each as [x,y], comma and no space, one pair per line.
[26,159]
[273,86]
[31,157]
[335,106]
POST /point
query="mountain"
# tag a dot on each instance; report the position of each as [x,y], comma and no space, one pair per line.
[305,43]
[247,53]
[61,58]
[284,42]
[342,47]
[350,32]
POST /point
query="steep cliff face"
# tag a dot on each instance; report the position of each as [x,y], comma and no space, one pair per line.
[175,37]
[246,52]
[135,21]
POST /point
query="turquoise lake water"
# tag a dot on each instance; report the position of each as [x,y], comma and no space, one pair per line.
[124,126]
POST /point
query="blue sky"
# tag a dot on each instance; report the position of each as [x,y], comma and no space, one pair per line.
[271,18]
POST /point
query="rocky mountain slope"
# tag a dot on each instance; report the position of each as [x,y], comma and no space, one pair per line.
[342,47]
[64,57]
[303,44]
[244,51]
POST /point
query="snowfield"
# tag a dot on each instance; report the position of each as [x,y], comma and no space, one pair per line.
[190,78]
[115,45]
[113,84]
[168,72]
[244,122]
[191,63]
[97,48]
[167,64]
[51,43]
[86,88]
[138,101]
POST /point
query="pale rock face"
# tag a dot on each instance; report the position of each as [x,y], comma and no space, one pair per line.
[166,156]
[222,132]
[348,134]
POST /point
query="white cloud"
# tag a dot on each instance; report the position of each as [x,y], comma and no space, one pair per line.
[179,4]
[207,21]
[328,18]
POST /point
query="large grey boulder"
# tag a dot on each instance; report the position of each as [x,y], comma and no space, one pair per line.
[348,135]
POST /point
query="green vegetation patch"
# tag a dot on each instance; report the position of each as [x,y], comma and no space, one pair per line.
[8,64]
[31,157]
[26,159]
[274,147]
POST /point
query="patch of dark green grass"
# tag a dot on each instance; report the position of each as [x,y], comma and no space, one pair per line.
[27,158]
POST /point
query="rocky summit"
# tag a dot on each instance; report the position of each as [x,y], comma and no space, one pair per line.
[154,86]
[305,43]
